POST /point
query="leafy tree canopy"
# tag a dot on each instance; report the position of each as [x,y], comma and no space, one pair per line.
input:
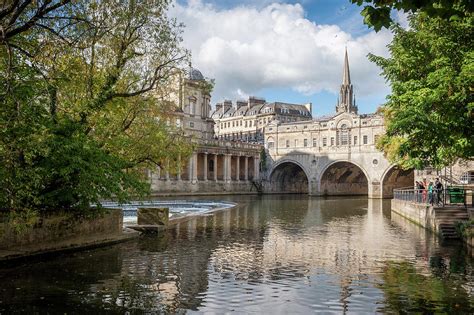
[85,89]
[429,114]
[376,13]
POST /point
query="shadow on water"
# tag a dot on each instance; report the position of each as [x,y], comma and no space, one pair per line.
[277,253]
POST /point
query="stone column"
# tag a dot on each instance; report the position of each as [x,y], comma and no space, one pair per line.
[225,167]
[256,173]
[190,168]
[246,169]
[215,167]
[205,167]
[178,175]
[194,178]
[238,168]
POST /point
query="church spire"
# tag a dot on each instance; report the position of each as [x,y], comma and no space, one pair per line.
[346,77]
[346,99]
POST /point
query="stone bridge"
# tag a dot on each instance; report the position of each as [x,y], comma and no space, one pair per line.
[344,170]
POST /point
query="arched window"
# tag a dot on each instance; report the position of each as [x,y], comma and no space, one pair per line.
[343,135]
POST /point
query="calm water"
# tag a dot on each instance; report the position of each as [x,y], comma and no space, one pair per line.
[273,254]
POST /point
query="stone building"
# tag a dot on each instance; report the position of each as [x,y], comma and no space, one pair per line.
[246,121]
[193,104]
[332,155]
[215,165]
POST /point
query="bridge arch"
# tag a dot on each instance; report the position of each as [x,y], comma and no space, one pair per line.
[396,177]
[289,177]
[344,178]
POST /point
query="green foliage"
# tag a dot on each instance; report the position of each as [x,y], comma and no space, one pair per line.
[376,13]
[263,160]
[85,91]
[429,114]
[22,221]
[465,228]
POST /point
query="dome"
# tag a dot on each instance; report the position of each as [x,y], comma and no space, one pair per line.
[195,74]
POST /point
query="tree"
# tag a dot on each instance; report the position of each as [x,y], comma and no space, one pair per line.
[377,14]
[85,94]
[429,113]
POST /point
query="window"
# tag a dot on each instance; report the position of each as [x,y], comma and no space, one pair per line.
[222,126]
[296,143]
[365,139]
[287,143]
[332,141]
[305,143]
[191,124]
[271,145]
[250,123]
[245,124]
[355,140]
[315,142]
[325,142]
[343,135]
[233,124]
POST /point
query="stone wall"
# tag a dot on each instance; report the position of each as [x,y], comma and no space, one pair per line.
[61,230]
[182,187]
[418,213]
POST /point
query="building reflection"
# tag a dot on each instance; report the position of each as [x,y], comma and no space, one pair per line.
[312,247]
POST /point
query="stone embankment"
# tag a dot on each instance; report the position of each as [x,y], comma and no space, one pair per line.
[61,232]
[440,220]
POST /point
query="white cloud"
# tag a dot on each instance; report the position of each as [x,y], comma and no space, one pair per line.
[246,49]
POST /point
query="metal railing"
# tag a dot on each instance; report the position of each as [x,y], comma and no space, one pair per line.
[452,195]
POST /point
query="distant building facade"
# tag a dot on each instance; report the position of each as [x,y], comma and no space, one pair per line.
[247,120]
[215,166]
[332,155]
[193,105]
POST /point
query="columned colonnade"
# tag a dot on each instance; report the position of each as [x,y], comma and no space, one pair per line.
[218,167]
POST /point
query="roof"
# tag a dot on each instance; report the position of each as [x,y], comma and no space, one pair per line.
[195,74]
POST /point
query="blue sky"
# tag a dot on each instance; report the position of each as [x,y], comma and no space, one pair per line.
[288,51]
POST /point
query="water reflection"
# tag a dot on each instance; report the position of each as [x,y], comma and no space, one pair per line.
[272,254]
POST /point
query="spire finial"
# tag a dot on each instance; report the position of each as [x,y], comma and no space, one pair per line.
[346,77]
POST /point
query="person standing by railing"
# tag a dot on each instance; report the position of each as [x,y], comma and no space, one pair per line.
[430,193]
[424,190]
[438,190]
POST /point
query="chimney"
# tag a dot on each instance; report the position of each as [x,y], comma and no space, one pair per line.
[253,100]
[227,105]
[218,106]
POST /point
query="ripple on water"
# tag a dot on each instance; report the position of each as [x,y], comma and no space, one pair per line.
[278,254]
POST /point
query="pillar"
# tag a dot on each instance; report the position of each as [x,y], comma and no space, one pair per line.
[190,168]
[227,168]
[238,168]
[256,173]
[246,168]
[215,167]
[205,167]
[194,168]
[178,175]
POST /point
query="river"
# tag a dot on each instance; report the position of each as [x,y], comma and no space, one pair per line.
[271,254]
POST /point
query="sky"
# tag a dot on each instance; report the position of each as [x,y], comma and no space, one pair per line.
[286,51]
